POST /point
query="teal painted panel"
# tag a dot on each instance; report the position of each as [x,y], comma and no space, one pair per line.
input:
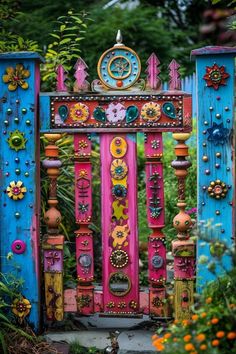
[215,151]
[19,219]
[44,113]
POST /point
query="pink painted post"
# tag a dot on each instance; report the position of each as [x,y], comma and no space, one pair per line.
[83,215]
[61,77]
[175,81]
[153,80]
[119,223]
[80,75]
[156,221]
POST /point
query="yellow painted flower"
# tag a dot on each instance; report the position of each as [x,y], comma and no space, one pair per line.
[119,235]
[21,308]
[151,112]
[16,77]
[79,112]
[16,190]
[118,147]
[119,169]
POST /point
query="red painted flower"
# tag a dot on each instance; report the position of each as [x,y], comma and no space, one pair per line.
[215,76]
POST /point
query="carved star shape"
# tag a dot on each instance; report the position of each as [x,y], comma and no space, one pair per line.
[215,76]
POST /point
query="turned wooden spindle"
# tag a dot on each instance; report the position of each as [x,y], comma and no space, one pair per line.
[183,248]
[53,241]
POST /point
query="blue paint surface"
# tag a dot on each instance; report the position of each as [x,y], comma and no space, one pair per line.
[22,266]
[214,106]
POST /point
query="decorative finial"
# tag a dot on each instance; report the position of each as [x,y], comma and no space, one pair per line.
[175,81]
[153,80]
[118,39]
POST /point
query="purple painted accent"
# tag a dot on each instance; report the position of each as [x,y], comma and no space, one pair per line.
[153,72]
[53,261]
[51,163]
[18,246]
[212,50]
[175,81]
[80,73]
[61,77]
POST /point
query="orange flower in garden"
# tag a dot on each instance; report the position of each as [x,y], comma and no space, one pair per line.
[201,337]
[176,321]
[194,352]
[203,315]
[214,320]
[158,344]
[167,335]
[231,335]
[187,338]
[220,334]
[203,347]
[185,322]
[209,300]
[194,317]
[215,342]
[154,337]
[175,339]
[189,347]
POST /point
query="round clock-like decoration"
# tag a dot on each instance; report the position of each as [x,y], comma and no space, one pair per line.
[119,67]
[119,258]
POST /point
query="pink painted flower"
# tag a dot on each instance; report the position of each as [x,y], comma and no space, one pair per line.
[115,112]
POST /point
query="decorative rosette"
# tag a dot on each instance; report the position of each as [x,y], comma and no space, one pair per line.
[16,77]
[119,235]
[115,112]
[16,190]
[119,191]
[151,112]
[119,169]
[79,112]
[215,76]
[21,308]
[217,189]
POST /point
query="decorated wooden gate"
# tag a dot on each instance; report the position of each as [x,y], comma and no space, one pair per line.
[116,107]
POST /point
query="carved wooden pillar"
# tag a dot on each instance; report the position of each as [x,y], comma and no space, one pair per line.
[53,241]
[155,217]
[83,214]
[183,248]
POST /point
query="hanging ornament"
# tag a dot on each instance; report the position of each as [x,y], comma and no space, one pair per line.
[169,110]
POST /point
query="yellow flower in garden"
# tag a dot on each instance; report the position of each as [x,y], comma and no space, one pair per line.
[215,342]
[220,334]
[209,300]
[194,317]
[189,347]
[201,337]
[16,190]
[16,77]
[187,338]
[21,308]
[214,320]
[203,347]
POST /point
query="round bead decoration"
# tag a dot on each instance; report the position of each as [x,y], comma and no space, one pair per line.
[28,122]
[85,260]
[17,171]
[119,258]
[6,122]
[18,246]
[205,158]
[217,212]
[118,147]
[17,160]
[16,120]
[218,154]
[24,110]
[207,172]
[217,189]
[17,140]
[157,261]
[26,174]
[218,115]
[17,215]
[9,111]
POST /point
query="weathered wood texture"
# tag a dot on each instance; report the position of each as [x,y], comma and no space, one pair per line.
[216,146]
[19,174]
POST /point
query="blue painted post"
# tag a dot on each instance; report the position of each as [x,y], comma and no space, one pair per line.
[216,183]
[20,182]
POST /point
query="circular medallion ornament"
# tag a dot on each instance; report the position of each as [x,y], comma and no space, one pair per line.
[119,67]
[157,261]
[16,190]
[119,191]
[215,76]
[85,260]
[151,112]
[18,246]
[118,147]
[217,189]
[119,258]
[79,112]
[119,169]
[17,140]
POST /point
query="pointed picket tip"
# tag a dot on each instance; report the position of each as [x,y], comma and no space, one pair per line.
[80,62]
[153,59]
[174,64]
[61,77]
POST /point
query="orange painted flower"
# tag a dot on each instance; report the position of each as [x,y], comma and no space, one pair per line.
[209,300]
[231,335]
[189,347]
[203,347]
[214,320]
[215,342]
[194,317]
[220,334]
[201,337]
[119,235]
[187,338]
